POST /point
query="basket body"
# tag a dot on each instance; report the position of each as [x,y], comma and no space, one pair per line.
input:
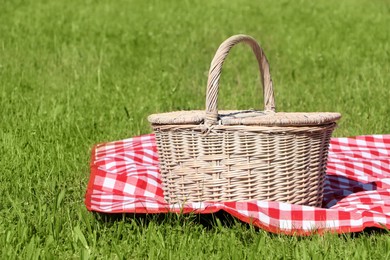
[241,163]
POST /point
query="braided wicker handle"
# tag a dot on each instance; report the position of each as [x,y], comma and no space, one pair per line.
[215,73]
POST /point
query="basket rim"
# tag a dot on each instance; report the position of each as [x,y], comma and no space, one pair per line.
[246,117]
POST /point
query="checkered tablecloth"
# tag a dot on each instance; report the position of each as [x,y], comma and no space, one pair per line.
[125,178]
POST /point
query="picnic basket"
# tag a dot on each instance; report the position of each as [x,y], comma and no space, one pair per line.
[241,155]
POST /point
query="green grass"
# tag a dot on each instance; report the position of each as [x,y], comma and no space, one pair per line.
[76,73]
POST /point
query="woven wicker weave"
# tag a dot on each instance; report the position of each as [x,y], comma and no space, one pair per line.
[242,155]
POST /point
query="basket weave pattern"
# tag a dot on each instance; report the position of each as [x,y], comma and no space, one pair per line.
[217,161]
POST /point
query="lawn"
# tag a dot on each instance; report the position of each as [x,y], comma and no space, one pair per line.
[76,73]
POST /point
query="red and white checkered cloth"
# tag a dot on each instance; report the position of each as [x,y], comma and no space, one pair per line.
[125,178]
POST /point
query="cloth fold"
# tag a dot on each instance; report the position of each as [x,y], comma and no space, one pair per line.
[125,178]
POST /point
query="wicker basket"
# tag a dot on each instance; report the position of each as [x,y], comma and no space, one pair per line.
[242,155]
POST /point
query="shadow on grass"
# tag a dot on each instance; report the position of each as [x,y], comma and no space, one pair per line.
[208,221]
[212,222]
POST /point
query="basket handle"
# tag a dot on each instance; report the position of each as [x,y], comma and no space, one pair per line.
[215,73]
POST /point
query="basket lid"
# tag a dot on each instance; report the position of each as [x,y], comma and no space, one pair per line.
[268,117]
[245,117]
